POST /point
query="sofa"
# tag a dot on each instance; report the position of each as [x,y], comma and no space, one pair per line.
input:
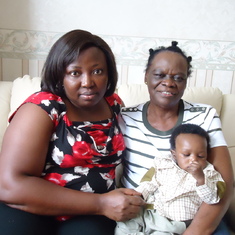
[13,93]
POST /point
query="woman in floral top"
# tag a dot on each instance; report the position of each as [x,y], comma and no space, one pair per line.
[57,165]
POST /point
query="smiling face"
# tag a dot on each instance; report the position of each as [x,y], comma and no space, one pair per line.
[189,148]
[86,79]
[167,78]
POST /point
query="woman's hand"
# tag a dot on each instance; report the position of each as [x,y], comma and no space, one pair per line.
[121,204]
[209,216]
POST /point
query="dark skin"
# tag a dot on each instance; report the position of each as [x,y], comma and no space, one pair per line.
[165,94]
[25,147]
[190,154]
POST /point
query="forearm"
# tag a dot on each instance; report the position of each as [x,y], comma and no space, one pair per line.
[36,195]
[39,196]
[209,216]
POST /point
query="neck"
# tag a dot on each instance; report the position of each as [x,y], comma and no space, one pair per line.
[99,112]
[162,119]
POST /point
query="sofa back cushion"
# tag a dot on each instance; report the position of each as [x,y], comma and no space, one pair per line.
[22,88]
[5,97]
[133,94]
[227,115]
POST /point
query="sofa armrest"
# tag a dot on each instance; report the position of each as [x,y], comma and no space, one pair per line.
[5,98]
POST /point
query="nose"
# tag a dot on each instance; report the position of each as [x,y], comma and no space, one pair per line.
[86,80]
[193,157]
[168,81]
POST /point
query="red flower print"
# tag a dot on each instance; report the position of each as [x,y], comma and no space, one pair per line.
[55,178]
[82,155]
[42,97]
[113,98]
[112,173]
[98,136]
[118,143]
[38,98]
[101,127]
[67,121]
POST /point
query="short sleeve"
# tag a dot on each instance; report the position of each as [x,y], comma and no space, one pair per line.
[50,103]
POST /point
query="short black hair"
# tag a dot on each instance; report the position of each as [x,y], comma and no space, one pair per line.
[65,51]
[172,48]
[189,129]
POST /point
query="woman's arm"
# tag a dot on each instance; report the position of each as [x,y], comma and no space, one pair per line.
[209,216]
[22,160]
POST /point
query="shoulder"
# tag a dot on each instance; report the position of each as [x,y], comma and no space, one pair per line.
[133,109]
[42,96]
[164,161]
[197,107]
[211,172]
[115,102]
[209,168]
[47,101]
[198,113]
[133,116]
[114,99]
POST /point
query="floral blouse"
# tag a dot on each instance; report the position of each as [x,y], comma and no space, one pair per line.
[81,155]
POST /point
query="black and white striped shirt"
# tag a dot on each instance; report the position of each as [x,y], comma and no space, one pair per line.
[144,142]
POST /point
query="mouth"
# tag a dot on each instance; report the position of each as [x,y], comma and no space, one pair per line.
[167,93]
[87,96]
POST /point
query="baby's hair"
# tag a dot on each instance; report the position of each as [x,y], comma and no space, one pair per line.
[189,129]
[172,48]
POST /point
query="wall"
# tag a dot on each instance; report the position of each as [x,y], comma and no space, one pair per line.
[203,28]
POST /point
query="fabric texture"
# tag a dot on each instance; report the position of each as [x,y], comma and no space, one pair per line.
[173,191]
[81,155]
[150,222]
[143,142]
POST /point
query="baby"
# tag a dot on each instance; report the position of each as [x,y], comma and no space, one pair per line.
[176,185]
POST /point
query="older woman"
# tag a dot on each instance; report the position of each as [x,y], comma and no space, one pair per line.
[148,127]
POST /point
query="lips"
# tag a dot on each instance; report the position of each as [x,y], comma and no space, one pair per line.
[87,96]
[86,93]
[167,93]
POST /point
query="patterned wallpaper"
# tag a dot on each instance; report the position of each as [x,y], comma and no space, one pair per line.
[24,52]
[219,55]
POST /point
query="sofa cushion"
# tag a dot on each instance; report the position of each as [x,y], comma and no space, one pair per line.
[227,115]
[205,95]
[133,94]
[5,97]
[22,88]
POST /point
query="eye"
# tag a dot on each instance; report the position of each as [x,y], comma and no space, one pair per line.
[201,156]
[98,71]
[159,75]
[186,154]
[74,73]
[178,78]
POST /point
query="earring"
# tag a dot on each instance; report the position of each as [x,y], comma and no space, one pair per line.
[145,82]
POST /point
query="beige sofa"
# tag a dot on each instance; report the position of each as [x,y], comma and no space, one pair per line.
[13,93]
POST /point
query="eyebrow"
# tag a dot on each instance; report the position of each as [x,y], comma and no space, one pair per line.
[162,71]
[79,67]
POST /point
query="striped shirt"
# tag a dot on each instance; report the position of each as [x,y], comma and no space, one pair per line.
[144,142]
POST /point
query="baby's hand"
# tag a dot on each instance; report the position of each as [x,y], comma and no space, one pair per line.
[196,171]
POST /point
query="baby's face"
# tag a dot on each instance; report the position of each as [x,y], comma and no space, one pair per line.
[190,148]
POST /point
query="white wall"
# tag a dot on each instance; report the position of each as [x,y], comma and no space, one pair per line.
[183,19]
[204,28]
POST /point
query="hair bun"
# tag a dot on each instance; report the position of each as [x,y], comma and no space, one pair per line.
[189,58]
[174,43]
[151,51]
